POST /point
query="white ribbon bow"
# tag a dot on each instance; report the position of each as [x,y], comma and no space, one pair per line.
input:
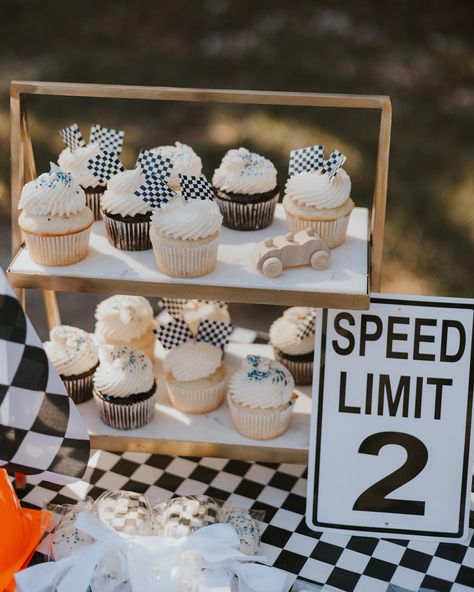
[155,564]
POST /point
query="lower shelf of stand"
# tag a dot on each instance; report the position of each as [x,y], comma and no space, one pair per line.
[175,433]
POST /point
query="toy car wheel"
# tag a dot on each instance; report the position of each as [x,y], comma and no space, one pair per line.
[320,260]
[272,267]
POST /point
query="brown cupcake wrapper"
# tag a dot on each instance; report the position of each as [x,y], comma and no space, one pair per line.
[199,400]
[58,250]
[258,425]
[125,416]
[127,236]
[333,232]
[247,216]
[302,372]
[79,388]
[93,201]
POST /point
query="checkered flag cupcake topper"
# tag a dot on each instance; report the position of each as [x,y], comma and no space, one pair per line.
[104,166]
[333,163]
[214,332]
[41,430]
[306,159]
[72,137]
[109,140]
[174,333]
[195,188]
[173,306]
[155,192]
[154,165]
[307,326]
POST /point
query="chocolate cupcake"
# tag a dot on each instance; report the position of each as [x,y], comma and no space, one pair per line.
[245,185]
[124,387]
[72,353]
[292,338]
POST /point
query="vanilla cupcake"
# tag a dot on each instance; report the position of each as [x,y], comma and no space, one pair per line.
[126,320]
[195,376]
[185,232]
[126,216]
[75,161]
[194,311]
[261,398]
[292,338]
[246,190]
[55,220]
[72,353]
[124,387]
[185,162]
[319,198]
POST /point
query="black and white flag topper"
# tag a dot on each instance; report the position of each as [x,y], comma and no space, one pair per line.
[72,137]
[333,163]
[109,140]
[214,332]
[41,430]
[155,191]
[307,326]
[306,159]
[104,166]
[173,306]
[174,333]
[154,165]
[195,188]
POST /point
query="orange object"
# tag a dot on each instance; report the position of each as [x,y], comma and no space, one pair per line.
[20,532]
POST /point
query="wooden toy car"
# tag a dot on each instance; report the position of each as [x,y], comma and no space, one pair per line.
[291,250]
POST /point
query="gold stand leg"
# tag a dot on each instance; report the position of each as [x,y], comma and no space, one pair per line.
[52,309]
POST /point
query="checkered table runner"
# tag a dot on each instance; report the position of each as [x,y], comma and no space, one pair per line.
[338,562]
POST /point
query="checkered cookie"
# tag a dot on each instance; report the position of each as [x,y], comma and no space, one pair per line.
[124,511]
[184,515]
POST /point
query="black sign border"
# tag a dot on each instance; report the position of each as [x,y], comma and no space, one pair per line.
[467,438]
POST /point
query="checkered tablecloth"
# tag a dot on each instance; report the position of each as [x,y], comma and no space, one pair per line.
[338,562]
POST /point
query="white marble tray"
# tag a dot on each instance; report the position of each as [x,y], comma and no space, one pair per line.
[106,269]
[187,434]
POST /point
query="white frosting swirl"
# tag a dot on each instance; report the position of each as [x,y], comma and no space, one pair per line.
[284,332]
[123,318]
[185,161]
[193,360]
[261,383]
[75,161]
[56,193]
[71,350]
[316,189]
[191,219]
[196,310]
[242,171]
[120,198]
[123,371]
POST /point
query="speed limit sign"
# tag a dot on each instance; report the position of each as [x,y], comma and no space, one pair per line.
[391,422]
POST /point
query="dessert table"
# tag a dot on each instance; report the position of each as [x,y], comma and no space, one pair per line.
[347,563]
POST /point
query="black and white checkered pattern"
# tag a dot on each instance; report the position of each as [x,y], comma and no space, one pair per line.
[174,333]
[154,165]
[173,306]
[72,137]
[41,431]
[104,166]
[307,326]
[214,332]
[155,192]
[109,140]
[341,563]
[195,188]
[333,163]
[306,159]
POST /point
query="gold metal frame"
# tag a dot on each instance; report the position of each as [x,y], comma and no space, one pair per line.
[23,170]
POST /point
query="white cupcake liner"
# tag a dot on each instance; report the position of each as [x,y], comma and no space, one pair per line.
[185,261]
[333,232]
[93,201]
[247,216]
[127,236]
[259,424]
[58,250]
[125,416]
[79,388]
[302,372]
[197,400]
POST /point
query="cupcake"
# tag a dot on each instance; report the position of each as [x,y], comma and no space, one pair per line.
[55,220]
[185,231]
[317,195]
[292,338]
[261,398]
[124,387]
[126,320]
[184,160]
[72,353]
[76,156]
[195,376]
[246,190]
